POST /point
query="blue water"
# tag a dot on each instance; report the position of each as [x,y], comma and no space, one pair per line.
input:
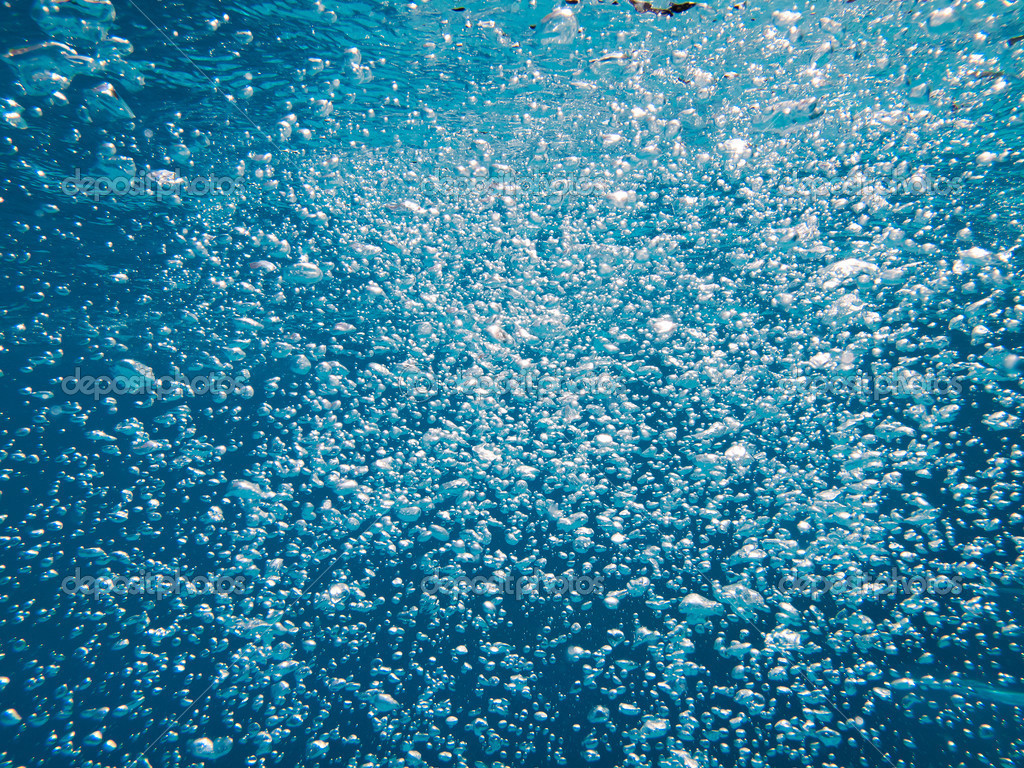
[689,334]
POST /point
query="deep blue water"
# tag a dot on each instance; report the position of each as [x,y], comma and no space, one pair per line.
[671,234]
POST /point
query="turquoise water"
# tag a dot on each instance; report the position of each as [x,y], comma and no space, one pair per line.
[511,384]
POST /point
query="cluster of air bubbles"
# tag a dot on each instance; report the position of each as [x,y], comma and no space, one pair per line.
[626,385]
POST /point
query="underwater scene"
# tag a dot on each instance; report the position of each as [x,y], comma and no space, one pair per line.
[511,383]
